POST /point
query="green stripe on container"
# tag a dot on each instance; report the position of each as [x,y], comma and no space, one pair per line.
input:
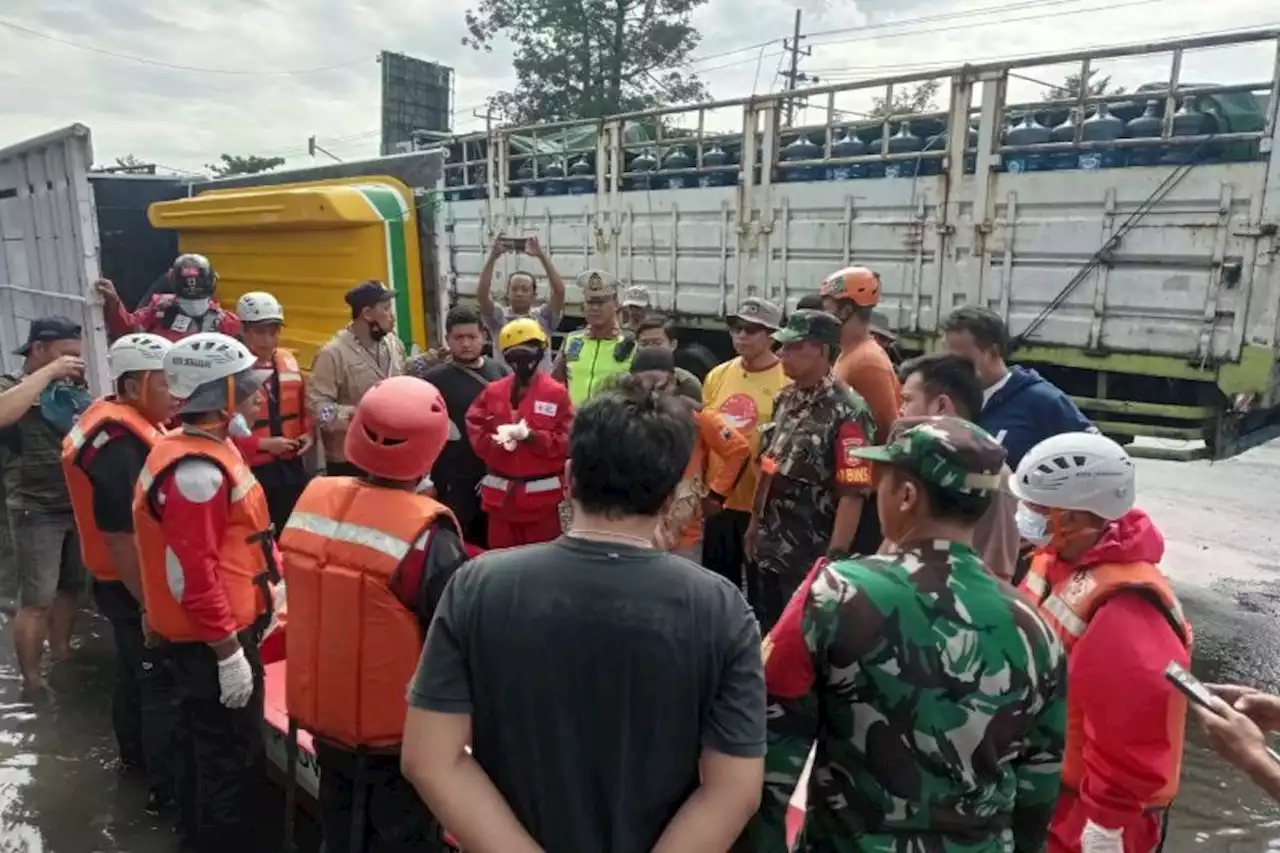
[390,206]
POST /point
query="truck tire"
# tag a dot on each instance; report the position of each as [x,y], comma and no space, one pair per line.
[696,359]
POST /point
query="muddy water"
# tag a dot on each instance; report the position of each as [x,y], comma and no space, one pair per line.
[59,793]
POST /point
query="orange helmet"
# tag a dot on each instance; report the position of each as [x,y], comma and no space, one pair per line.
[858,284]
[399,429]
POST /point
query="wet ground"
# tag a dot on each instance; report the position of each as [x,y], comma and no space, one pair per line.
[59,793]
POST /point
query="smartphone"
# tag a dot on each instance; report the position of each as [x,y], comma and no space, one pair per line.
[515,244]
[1191,686]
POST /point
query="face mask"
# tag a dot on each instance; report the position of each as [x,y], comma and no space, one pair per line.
[523,369]
[239,427]
[377,332]
[194,307]
[1032,526]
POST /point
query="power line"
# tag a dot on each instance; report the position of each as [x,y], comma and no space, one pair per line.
[173,66]
[947,16]
[795,76]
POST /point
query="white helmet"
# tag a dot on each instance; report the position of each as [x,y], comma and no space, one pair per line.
[203,358]
[137,352]
[258,306]
[1077,470]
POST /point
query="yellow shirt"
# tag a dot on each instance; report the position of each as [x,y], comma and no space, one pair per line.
[745,399]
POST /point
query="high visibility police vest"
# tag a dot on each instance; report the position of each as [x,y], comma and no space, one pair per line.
[1068,608]
[590,362]
[90,431]
[353,646]
[243,568]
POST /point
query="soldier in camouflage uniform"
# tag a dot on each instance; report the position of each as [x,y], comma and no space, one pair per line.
[935,693]
[812,488]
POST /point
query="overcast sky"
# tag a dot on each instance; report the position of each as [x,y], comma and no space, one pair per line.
[184,118]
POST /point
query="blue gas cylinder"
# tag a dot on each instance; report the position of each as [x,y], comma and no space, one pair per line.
[678,158]
[1145,126]
[526,174]
[582,177]
[903,142]
[1064,133]
[479,180]
[1102,126]
[800,148]
[645,164]
[453,181]
[847,145]
[555,174]
[713,158]
[1189,121]
[1029,132]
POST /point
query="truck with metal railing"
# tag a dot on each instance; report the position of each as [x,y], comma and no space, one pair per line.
[1128,240]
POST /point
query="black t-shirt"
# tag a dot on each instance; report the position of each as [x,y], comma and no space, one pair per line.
[113,470]
[460,386]
[595,674]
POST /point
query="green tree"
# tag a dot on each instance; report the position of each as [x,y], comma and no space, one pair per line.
[1097,86]
[921,98]
[250,164]
[590,58]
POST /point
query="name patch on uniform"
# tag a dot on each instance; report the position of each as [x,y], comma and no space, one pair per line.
[542,407]
[860,476]
[180,323]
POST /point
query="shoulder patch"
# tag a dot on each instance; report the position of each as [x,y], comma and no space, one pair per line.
[573,348]
[197,480]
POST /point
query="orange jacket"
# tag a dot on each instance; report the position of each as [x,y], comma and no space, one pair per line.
[243,570]
[283,413]
[353,645]
[682,525]
[88,430]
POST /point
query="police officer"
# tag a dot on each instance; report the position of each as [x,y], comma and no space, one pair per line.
[602,350]
[813,487]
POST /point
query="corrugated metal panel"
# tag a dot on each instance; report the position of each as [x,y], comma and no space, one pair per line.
[49,251]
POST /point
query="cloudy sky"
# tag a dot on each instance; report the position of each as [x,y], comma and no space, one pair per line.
[190,79]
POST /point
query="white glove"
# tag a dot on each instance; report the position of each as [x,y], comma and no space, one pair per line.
[1099,839]
[235,680]
[509,435]
[519,431]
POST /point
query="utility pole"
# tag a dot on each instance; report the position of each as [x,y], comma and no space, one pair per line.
[313,147]
[795,76]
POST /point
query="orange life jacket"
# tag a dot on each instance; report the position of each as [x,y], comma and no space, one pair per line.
[282,415]
[243,568]
[1069,606]
[353,646]
[90,431]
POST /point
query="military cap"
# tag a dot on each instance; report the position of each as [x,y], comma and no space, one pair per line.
[760,312]
[636,296]
[810,325]
[950,453]
[597,286]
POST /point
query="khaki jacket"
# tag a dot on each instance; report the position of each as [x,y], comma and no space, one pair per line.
[341,374]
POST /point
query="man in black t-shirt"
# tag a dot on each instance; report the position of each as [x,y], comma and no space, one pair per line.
[612,694]
[460,379]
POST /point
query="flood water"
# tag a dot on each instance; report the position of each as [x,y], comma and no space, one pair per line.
[60,794]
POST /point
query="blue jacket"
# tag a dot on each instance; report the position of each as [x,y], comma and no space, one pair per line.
[1027,410]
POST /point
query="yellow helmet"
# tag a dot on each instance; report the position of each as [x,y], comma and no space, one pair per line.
[524,330]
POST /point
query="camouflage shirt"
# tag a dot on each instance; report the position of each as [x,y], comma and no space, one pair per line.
[32,461]
[804,453]
[935,696]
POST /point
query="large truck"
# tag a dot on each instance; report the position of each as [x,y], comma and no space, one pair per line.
[1128,241]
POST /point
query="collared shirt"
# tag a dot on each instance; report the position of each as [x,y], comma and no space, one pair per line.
[988,393]
[344,369]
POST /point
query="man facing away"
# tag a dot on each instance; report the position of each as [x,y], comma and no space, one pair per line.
[367,560]
[364,353]
[102,457]
[657,330]
[1096,579]
[522,290]
[519,427]
[611,693]
[933,691]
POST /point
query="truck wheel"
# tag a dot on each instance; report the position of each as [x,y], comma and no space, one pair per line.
[696,359]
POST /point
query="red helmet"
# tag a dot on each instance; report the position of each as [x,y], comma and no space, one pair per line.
[399,429]
[857,284]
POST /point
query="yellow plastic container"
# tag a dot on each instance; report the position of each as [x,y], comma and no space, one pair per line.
[307,244]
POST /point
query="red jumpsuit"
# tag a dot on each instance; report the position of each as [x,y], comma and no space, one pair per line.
[524,487]
[161,317]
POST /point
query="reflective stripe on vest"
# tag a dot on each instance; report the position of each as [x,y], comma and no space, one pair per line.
[542,484]
[592,365]
[242,565]
[281,414]
[92,428]
[353,645]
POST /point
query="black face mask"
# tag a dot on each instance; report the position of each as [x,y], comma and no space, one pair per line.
[523,362]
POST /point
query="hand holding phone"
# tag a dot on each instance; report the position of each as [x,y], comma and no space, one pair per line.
[1196,691]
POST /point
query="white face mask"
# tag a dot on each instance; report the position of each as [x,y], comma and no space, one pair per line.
[1032,526]
[194,307]
[239,427]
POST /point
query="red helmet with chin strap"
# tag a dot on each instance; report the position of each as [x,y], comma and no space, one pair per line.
[398,430]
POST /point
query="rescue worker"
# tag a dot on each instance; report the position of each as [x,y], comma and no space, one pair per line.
[697,496]
[852,294]
[102,458]
[189,307]
[636,305]
[282,427]
[934,693]
[367,561]
[519,426]
[590,356]
[522,289]
[204,544]
[1096,579]
[742,390]
[813,487]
